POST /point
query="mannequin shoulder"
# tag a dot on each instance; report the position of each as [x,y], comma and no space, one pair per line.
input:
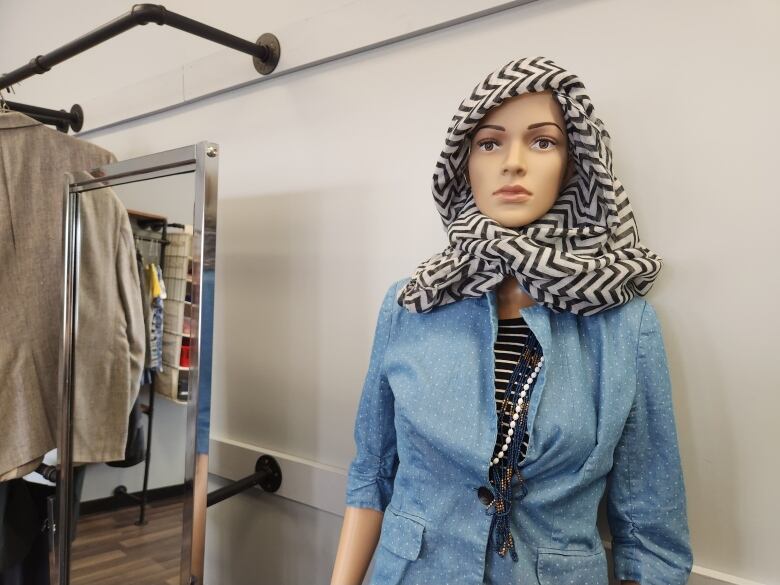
[389,302]
[396,287]
[636,314]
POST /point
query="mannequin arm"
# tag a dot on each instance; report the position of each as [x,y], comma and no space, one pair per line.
[359,536]
[646,500]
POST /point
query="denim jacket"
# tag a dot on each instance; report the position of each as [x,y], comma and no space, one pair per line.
[600,418]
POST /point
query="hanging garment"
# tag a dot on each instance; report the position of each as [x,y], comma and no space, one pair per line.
[32,175]
[110,346]
[146,304]
[583,256]
[158,296]
[24,532]
[135,447]
[33,161]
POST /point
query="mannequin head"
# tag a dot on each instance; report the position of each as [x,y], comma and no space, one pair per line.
[521,142]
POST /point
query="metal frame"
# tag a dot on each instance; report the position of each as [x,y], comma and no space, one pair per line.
[201,159]
[70,279]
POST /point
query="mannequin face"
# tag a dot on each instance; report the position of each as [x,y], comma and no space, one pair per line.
[521,142]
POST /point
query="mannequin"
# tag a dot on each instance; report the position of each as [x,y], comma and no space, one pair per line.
[522,143]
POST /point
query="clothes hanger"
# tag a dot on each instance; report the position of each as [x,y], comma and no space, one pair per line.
[6,109]
[3,106]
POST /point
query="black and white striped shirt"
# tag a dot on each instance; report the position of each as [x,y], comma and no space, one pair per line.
[512,337]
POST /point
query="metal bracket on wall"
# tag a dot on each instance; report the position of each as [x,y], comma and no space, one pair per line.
[267,475]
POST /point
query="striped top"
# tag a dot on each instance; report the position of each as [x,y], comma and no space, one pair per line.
[512,337]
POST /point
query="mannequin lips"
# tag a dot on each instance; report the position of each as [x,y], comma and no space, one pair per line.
[513,193]
[509,196]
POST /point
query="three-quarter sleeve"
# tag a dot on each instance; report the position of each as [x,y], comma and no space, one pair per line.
[646,501]
[372,471]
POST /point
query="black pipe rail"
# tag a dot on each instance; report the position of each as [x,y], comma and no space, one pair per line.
[49,472]
[265,51]
[265,54]
[62,119]
[268,475]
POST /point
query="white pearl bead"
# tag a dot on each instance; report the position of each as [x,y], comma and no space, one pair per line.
[504,447]
[495,461]
[517,408]
[523,393]
[508,440]
[533,375]
[510,432]
[515,417]
[526,386]
[501,454]
[512,424]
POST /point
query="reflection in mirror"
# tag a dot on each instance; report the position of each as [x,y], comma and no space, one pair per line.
[130,515]
[134,384]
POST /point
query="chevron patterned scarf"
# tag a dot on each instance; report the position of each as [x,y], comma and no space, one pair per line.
[582,256]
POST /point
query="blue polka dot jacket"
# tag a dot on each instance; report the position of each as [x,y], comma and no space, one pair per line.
[600,422]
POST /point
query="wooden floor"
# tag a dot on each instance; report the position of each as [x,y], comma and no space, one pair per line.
[111,550]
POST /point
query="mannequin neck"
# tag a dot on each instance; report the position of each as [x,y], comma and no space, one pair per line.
[511,298]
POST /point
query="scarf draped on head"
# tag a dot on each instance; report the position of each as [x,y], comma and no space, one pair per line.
[583,256]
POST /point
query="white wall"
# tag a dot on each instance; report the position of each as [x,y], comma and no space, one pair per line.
[324,200]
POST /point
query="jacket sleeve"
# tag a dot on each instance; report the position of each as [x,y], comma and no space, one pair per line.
[646,502]
[372,471]
[129,284]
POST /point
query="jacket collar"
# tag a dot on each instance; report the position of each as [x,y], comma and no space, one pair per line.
[12,119]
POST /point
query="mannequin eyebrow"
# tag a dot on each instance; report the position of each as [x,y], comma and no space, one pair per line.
[531,127]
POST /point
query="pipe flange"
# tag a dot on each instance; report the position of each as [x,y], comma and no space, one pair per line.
[273,480]
[77,118]
[270,42]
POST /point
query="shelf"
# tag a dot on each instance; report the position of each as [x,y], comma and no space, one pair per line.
[179,334]
[146,215]
[174,400]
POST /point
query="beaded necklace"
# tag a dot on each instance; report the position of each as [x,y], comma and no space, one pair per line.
[503,464]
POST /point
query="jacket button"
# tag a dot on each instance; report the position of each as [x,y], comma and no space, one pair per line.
[485,495]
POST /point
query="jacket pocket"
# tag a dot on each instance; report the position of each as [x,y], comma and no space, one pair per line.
[585,567]
[402,534]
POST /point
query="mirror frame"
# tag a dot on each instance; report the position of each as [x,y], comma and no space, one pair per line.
[202,160]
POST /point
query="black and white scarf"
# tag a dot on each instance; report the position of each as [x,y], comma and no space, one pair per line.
[582,256]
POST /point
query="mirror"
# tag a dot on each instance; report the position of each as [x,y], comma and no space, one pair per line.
[136,369]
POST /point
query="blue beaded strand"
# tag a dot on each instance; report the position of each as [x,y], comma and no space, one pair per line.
[503,496]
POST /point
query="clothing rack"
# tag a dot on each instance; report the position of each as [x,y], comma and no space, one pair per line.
[265,54]
[155,222]
[64,121]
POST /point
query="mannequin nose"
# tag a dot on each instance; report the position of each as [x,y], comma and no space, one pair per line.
[515,160]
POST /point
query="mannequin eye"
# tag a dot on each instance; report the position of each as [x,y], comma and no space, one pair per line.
[550,141]
[487,142]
